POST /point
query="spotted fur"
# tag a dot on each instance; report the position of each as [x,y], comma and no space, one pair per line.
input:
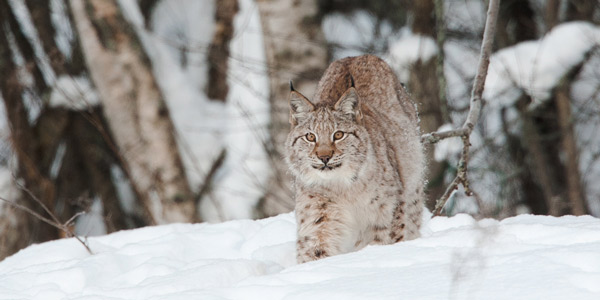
[366,187]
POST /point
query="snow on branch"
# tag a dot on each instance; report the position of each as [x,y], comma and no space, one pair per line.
[474,110]
[537,67]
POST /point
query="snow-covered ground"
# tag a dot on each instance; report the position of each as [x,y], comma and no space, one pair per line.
[524,257]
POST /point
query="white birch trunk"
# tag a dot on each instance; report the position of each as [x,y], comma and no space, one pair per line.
[135,110]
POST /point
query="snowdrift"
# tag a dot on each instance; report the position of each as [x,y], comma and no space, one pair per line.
[524,257]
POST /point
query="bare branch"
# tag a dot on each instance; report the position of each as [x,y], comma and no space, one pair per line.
[209,177]
[476,104]
[461,178]
[434,137]
[31,212]
[36,199]
[64,227]
[72,219]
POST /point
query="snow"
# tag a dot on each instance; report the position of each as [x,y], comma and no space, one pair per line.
[31,101]
[447,149]
[64,34]
[92,223]
[465,16]
[535,67]
[460,66]
[73,92]
[57,161]
[9,190]
[524,257]
[355,33]
[407,50]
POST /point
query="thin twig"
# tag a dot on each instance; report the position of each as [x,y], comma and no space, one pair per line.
[72,219]
[54,222]
[36,199]
[475,106]
[209,177]
[31,212]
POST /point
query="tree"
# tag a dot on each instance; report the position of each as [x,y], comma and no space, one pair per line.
[139,118]
[85,122]
[64,156]
[549,184]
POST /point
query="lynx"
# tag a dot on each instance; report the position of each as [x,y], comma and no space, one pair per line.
[357,159]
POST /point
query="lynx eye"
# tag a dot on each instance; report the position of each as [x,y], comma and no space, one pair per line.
[310,137]
[338,135]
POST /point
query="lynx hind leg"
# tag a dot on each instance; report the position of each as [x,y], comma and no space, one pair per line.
[398,228]
[414,213]
[407,217]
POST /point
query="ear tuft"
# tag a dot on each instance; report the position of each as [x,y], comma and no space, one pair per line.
[349,104]
[299,106]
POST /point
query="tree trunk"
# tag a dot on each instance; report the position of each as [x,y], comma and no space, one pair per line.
[575,194]
[516,23]
[424,87]
[23,140]
[134,109]
[289,30]
[218,52]
[581,10]
[539,161]
[551,14]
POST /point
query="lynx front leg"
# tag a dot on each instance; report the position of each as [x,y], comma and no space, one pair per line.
[321,230]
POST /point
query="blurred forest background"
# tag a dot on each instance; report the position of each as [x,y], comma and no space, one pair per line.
[158,111]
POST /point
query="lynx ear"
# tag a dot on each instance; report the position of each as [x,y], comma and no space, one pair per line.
[349,104]
[299,106]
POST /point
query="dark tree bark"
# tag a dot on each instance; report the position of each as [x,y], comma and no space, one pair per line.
[423,17]
[24,142]
[551,14]
[581,10]
[516,23]
[539,139]
[540,191]
[575,196]
[218,53]
[146,7]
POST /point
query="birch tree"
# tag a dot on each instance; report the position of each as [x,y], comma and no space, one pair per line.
[58,133]
[138,116]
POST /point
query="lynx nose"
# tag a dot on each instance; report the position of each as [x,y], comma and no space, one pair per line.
[325,156]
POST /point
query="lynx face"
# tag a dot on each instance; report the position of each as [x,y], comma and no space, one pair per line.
[327,144]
